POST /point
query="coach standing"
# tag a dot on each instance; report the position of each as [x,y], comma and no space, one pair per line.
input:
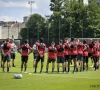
[13,52]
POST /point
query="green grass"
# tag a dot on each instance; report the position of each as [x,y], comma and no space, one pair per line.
[77,81]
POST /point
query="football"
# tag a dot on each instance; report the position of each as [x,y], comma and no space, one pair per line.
[17,76]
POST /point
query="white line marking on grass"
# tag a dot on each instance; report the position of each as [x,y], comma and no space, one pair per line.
[62,76]
[59,76]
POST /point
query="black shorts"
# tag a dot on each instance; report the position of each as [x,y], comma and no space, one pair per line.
[12,55]
[60,59]
[73,56]
[95,59]
[51,60]
[40,58]
[2,56]
[89,55]
[25,59]
[6,58]
[99,57]
[85,59]
[80,57]
[35,55]
[66,58]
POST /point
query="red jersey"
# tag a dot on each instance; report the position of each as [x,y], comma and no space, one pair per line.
[41,48]
[85,50]
[80,48]
[99,48]
[73,48]
[25,48]
[95,50]
[7,48]
[52,52]
[90,49]
[60,50]
[66,45]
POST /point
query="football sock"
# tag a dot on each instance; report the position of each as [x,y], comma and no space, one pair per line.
[52,69]
[97,67]
[46,69]
[76,69]
[83,68]
[68,69]
[65,68]
[3,68]
[58,69]
[7,69]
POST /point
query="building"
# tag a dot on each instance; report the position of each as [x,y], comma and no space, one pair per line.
[25,19]
[10,29]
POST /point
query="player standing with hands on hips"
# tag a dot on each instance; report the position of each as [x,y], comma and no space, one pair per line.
[24,54]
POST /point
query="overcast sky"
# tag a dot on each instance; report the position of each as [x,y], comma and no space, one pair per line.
[15,10]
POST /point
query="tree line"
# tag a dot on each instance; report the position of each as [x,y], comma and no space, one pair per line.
[70,18]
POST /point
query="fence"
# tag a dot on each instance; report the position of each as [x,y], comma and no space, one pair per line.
[18,42]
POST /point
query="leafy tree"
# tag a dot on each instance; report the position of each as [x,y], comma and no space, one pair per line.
[36,27]
[76,18]
[23,33]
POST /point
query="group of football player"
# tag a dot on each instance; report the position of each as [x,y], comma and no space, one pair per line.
[70,51]
[66,52]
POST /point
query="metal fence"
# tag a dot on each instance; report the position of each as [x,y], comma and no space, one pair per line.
[18,42]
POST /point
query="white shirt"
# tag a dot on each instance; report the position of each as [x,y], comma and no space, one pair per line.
[13,50]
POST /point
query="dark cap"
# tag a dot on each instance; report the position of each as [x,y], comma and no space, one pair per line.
[41,40]
[84,42]
[7,40]
[3,41]
[26,41]
[72,38]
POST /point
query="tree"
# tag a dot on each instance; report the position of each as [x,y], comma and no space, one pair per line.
[36,27]
[76,18]
[23,33]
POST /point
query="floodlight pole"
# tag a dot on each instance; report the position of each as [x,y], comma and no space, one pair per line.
[8,29]
[30,3]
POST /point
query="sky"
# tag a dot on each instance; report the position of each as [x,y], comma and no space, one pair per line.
[15,10]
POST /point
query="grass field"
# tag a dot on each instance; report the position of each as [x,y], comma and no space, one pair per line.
[77,81]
